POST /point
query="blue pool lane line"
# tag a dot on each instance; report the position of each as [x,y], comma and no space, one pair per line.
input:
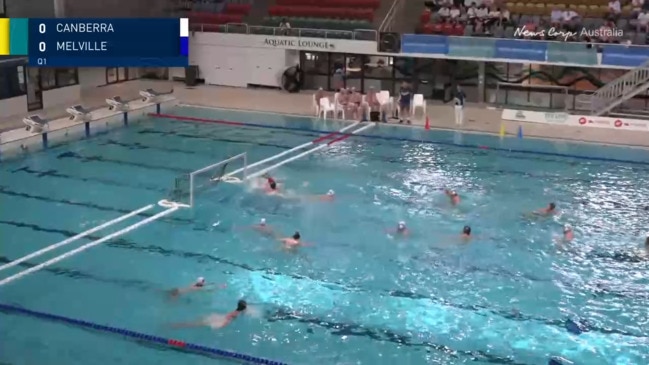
[185,119]
[168,342]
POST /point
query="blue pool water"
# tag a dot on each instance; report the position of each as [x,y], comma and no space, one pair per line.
[355,296]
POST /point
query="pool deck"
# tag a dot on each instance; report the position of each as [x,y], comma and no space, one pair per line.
[478,119]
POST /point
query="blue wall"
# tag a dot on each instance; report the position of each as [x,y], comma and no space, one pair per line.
[535,51]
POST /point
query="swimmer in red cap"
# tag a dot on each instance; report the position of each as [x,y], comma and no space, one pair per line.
[271,187]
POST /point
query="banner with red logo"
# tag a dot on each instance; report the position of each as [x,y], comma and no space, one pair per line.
[561,118]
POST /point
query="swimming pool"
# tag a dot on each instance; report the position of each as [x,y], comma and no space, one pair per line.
[355,296]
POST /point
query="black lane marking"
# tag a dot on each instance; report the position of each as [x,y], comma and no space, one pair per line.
[56,173]
[285,314]
[5,191]
[122,243]
[213,135]
[85,159]
[140,146]
[76,274]
[498,272]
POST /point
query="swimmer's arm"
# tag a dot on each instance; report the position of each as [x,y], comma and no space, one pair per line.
[214,287]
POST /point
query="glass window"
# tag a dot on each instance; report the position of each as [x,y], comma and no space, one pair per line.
[12,81]
[315,63]
[66,77]
[379,67]
[48,79]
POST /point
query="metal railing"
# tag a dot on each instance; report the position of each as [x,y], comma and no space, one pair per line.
[390,17]
[243,28]
[621,89]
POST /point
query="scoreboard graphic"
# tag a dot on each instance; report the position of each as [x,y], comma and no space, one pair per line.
[97,42]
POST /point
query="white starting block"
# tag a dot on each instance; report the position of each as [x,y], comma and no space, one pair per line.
[78,113]
[116,103]
[35,124]
[152,96]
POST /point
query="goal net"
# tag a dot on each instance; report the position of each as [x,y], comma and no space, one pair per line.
[188,186]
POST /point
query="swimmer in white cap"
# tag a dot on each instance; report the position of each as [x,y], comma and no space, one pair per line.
[568,234]
[263,227]
[401,230]
[199,284]
[329,197]
[453,196]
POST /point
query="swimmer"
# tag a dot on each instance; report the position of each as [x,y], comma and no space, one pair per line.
[271,188]
[293,241]
[199,284]
[466,233]
[217,320]
[329,197]
[551,209]
[453,196]
[401,230]
[263,227]
[568,234]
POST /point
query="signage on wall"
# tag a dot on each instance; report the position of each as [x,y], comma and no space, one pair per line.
[561,118]
[286,42]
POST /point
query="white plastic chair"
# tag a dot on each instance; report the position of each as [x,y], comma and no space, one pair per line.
[338,108]
[326,107]
[315,106]
[418,102]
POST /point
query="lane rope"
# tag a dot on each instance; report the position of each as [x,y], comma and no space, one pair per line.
[139,336]
[399,139]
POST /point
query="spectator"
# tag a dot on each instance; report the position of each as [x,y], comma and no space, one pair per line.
[482,13]
[504,17]
[614,9]
[645,5]
[444,13]
[284,27]
[493,17]
[636,7]
[556,17]
[605,33]
[455,12]
[472,14]
[643,21]
[570,19]
[355,104]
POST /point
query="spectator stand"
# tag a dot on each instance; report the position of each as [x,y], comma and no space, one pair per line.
[501,21]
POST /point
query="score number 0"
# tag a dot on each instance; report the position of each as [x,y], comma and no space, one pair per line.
[41,46]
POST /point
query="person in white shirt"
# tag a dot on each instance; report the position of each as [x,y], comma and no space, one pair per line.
[285,26]
[454,12]
[643,21]
[636,7]
[614,9]
[444,12]
[482,12]
[493,17]
[556,17]
[570,18]
[472,13]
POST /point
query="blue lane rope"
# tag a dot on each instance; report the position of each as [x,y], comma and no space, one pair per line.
[140,336]
[399,139]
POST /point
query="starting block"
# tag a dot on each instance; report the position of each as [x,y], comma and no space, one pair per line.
[116,103]
[35,124]
[78,113]
[152,96]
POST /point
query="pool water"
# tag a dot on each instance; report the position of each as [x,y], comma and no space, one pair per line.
[355,295]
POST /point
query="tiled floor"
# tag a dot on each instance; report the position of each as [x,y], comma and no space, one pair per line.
[478,119]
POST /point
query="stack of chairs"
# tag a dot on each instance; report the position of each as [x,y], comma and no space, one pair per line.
[324,14]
